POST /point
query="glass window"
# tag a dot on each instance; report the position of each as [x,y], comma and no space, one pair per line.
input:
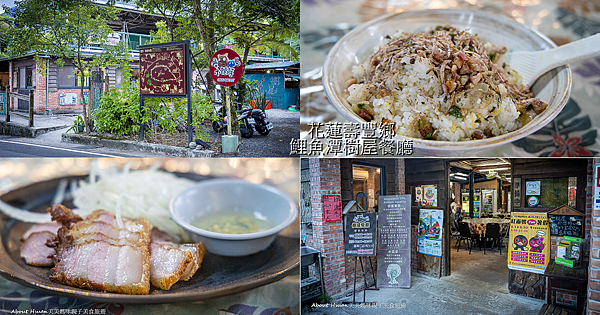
[29,74]
[546,192]
[368,180]
[69,77]
[66,77]
[22,78]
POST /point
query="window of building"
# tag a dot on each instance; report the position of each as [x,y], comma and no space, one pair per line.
[69,77]
[368,179]
[547,192]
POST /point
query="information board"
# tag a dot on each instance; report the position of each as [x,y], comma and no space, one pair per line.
[529,242]
[393,240]
[360,235]
[430,232]
[332,208]
[163,69]
[566,225]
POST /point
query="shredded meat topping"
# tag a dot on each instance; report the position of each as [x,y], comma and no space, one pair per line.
[460,59]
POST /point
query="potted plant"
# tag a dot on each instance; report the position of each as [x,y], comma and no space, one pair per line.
[78,125]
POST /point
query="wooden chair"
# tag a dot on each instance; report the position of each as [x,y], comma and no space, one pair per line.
[465,234]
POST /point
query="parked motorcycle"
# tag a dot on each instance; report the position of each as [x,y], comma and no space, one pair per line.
[248,119]
[243,117]
[258,120]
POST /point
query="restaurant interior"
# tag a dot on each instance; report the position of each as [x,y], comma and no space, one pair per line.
[480,201]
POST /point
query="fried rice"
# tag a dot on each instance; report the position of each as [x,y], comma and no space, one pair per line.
[443,84]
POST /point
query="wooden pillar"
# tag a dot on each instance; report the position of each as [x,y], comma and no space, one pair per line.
[8,103]
[31,104]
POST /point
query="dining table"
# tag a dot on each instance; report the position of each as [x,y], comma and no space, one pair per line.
[574,132]
[279,296]
[478,225]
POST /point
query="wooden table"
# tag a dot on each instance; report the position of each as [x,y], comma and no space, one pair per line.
[571,280]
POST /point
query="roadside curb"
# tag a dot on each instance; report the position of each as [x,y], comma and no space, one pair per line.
[136,146]
[14,129]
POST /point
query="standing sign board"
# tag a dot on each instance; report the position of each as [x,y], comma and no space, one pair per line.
[165,71]
[359,239]
[332,208]
[393,250]
[430,232]
[529,242]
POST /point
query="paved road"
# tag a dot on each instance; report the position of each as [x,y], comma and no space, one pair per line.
[11,147]
[286,126]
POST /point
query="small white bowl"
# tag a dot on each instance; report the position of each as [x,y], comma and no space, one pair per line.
[354,48]
[233,195]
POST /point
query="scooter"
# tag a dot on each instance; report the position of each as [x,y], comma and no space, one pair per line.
[243,117]
[258,120]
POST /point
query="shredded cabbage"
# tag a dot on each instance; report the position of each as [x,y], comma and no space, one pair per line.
[133,194]
[143,193]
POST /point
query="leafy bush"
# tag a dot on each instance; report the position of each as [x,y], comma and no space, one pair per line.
[119,110]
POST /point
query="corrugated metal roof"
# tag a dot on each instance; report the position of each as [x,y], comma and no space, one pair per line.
[271,65]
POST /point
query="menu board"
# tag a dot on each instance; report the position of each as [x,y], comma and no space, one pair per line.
[359,239]
[566,225]
[529,242]
[430,232]
[332,208]
[393,250]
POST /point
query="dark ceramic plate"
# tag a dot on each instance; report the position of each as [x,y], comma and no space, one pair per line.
[218,276]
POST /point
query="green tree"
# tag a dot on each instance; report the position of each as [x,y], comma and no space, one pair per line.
[64,29]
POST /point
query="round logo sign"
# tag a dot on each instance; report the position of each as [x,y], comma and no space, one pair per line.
[533,201]
[226,67]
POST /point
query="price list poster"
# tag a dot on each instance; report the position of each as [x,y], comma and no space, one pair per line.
[529,242]
[393,251]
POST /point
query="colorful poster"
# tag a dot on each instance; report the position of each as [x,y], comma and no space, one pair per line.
[533,188]
[418,194]
[529,242]
[572,192]
[430,196]
[393,250]
[3,103]
[332,208]
[430,232]
[67,98]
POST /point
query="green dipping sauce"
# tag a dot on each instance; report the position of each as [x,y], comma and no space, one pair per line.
[231,222]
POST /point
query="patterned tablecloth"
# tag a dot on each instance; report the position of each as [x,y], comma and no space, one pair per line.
[281,297]
[574,132]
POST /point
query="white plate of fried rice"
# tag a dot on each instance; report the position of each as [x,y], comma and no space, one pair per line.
[440,77]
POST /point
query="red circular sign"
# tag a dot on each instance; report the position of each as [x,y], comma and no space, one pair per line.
[226,67]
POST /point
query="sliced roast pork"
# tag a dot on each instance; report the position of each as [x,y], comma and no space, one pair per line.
[35,251]
[51,227]
[96,254]
[167,264]
[170,263]
[197,251]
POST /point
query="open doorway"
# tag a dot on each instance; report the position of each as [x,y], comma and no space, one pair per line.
[479,221]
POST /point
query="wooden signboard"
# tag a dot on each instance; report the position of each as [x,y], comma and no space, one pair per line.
[359,239]
[332,208]
[163,69]
[566,221]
